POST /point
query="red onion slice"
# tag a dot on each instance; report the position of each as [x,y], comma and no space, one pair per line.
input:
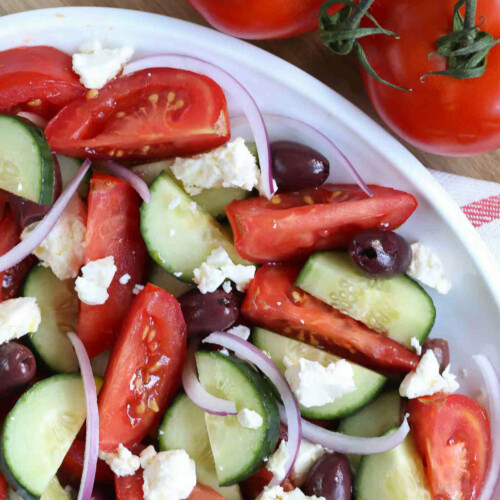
[320,141]
[255,356]
[233,87]
[33,240]
[92,427]
[493,390]
[127,175]
[33,118]
[197,393]
[342,443]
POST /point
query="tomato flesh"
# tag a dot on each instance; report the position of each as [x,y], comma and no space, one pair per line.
[144,369]
[292,226]
[453,436]
[254,485]
[153,113]
[38,79]
[113,229]
[3,488]
[273,301]
[263,19]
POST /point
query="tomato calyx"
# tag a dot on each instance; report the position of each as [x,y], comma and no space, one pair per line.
[466,47]
[341,31]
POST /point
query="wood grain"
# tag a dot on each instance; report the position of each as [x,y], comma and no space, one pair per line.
[306,52]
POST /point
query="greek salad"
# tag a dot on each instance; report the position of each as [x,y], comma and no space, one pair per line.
[188,314]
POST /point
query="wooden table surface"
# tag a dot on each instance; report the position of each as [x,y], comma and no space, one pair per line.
[306,52]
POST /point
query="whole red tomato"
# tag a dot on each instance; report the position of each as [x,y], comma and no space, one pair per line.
[260,19]
[442,115]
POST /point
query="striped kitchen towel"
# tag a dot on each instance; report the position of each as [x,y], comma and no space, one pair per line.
[480,202]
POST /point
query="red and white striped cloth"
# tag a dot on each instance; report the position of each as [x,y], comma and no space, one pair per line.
[480,201]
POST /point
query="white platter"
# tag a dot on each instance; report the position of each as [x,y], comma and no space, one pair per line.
[469,317]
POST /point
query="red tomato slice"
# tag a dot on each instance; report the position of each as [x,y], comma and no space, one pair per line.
[274,302]
[144,369]
[153,113]
[452,433]
[254,485]
[113,228]
[38,79]
[292,226]
[3,488]
[71,468]
[12,278]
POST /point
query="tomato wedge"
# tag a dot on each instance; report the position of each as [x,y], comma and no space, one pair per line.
[144,369]
[3,488]
[39,79]
[274,302]
[71,468]
[292,226]
[254,485]
[113,228]
[153,113]
[452,433]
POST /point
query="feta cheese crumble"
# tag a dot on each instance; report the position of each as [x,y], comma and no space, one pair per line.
[137,289]
[174,203]
[426,379]
[122,462]
[243,332]
[217,268]
[315,385]
[306,458]
[170,476]
[92,287]
[124,279]
[278,493]
[147,456]
[277,461]
[249,419]
[227,287]
[18,317]
[97,65]
[230,165]
[178,274]
[427,268]
[416,345]
[64,247]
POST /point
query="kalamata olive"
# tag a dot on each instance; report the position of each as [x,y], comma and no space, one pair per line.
[330,477]
[380,252]
[441,351]
[296,166]
[103,492]
[17,366]
[207,312]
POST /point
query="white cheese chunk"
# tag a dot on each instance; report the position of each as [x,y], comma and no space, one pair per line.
[124,279]
[315,385]
[230,165]
[306,458]
[137,289]
[147,456]
[426,379]
[170,476]
[97,65]
[277,461]
[416,345]
[92,287]
[217,268]
[64,247]
[122,462]
[18,317]
[249,419]
[427,268]
[277,493]
[241,331]
[227,287]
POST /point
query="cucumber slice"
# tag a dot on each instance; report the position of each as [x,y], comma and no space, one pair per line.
[53,492]
[397,474]
[39,430]
[373,420]
[214,201]
[26,163]
[238,452]
[58,304]
[368,383]
[184,428]
[159,277]
[397,307]
[69,167]
[195,233]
